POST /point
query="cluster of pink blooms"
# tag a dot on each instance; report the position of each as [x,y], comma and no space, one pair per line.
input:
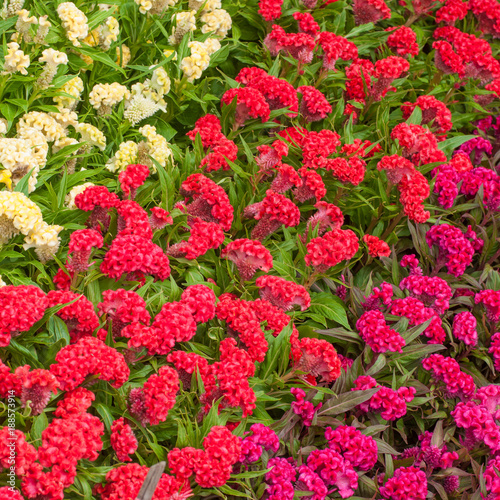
[305,409]
[407,482]
[261,438]
[377,334]
[447,370]
[220,148]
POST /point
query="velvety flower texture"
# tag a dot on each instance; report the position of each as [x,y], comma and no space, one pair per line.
[123,440]
[304,408]
[407,482]
[248,256]
[377,334]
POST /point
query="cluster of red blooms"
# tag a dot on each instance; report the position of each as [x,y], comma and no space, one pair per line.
[376,246]
[250,103]
[221,149]
[132,178]
[123,440]
[464,54]
[89,356]
[211,466]
[403,41]
[370,11]
[81,243]
[447,370]
[20,308]
[412,185]
[433,111]
[452,11]
[389,403]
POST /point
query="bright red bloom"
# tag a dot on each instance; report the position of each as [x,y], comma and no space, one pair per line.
[300,46]
[248,256]
[312,186]
[123,440]
[20,308]
[452,11]
[328,250]
[434,111]
[272,212]
[387,70]
[403,41]
[286,178]
[89,356]
[350,170]
[282,293]
[270,9]
[336,47]
[37,386]
[250,104]
[317,358]
[132,178]
[370,11]
[81,243]
[376,246]
[307,24]
[187,363]
[328,216]
[75,402]
[277,92]
[201,301]
[133,220]
[25,453]
[313,106]
[133,254]
[98,200]
[159,218]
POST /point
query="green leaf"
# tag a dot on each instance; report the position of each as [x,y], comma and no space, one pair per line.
[346,401]
[452,143]
[330,306]
[40,423]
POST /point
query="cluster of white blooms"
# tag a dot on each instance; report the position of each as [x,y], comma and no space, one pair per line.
[217,22]
[147,98]
[69,201]
[154,6]
[157,147]
[52,59]
[46,124]
[23,24]
[43,29]
[17,159]
[91,135]
[183,22]
[105,95]
[16,59]
[199,60]
[105,34]
[74,88]
[12,8]
[126,155]
[74,22]
[18,214]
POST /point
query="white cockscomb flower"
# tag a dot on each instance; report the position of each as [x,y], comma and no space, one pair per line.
[65,118]
[212,45]
[38,144]
[45,240]
[16,59]
[168,52]
[160,81]
[74,88]
[14,6]
[105,95]
[183,22]
[92,135]
[108,33]
[154,6]
[23,24]
[42,122]
[74,22]
[125,52]
[52,59]
[218,22]
[3,126]
[43,29]
[158,147]
[199,60]
[16,155]
[69,201]
[143,103]
[126,155]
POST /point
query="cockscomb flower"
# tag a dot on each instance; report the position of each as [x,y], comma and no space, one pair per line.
[313,106]
[151,403]
[413,191]
[396,167]
[434,292]
[286,178]
[336,47]
[209,201]
[279,479]
[491,477]
[282,293]
[370,11]
[250,104]
[159,218]
[270,9]
[98,200]
[433,111]
[20,308]
[494,350]
[488,15]
[376,246]
[275,319]
[201,301]
[272,212]
[359,148]
[312,186]
[37,386]
[277,92]
[123,307]
[454,249]
[317,146]
[476,147]
[402,41]
[123,440]
[479,424]
[447,370]
[80,317]
[406,482]
[269,157]
[174,323]
[464,328]
[446,59]
[332,248]
[328,216]
[132,178]
[25,453]
[74,402]
[203,237]
[261,438]
[350,170]
[306,22]
[308,480]
[379,297]
[89,356]
[317,358]
[491,301]
[248,256]
[132,220]
[377,334]
[187,363]
[305,409]
[81,243]
[300,46]
[489,396]
[360,450]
